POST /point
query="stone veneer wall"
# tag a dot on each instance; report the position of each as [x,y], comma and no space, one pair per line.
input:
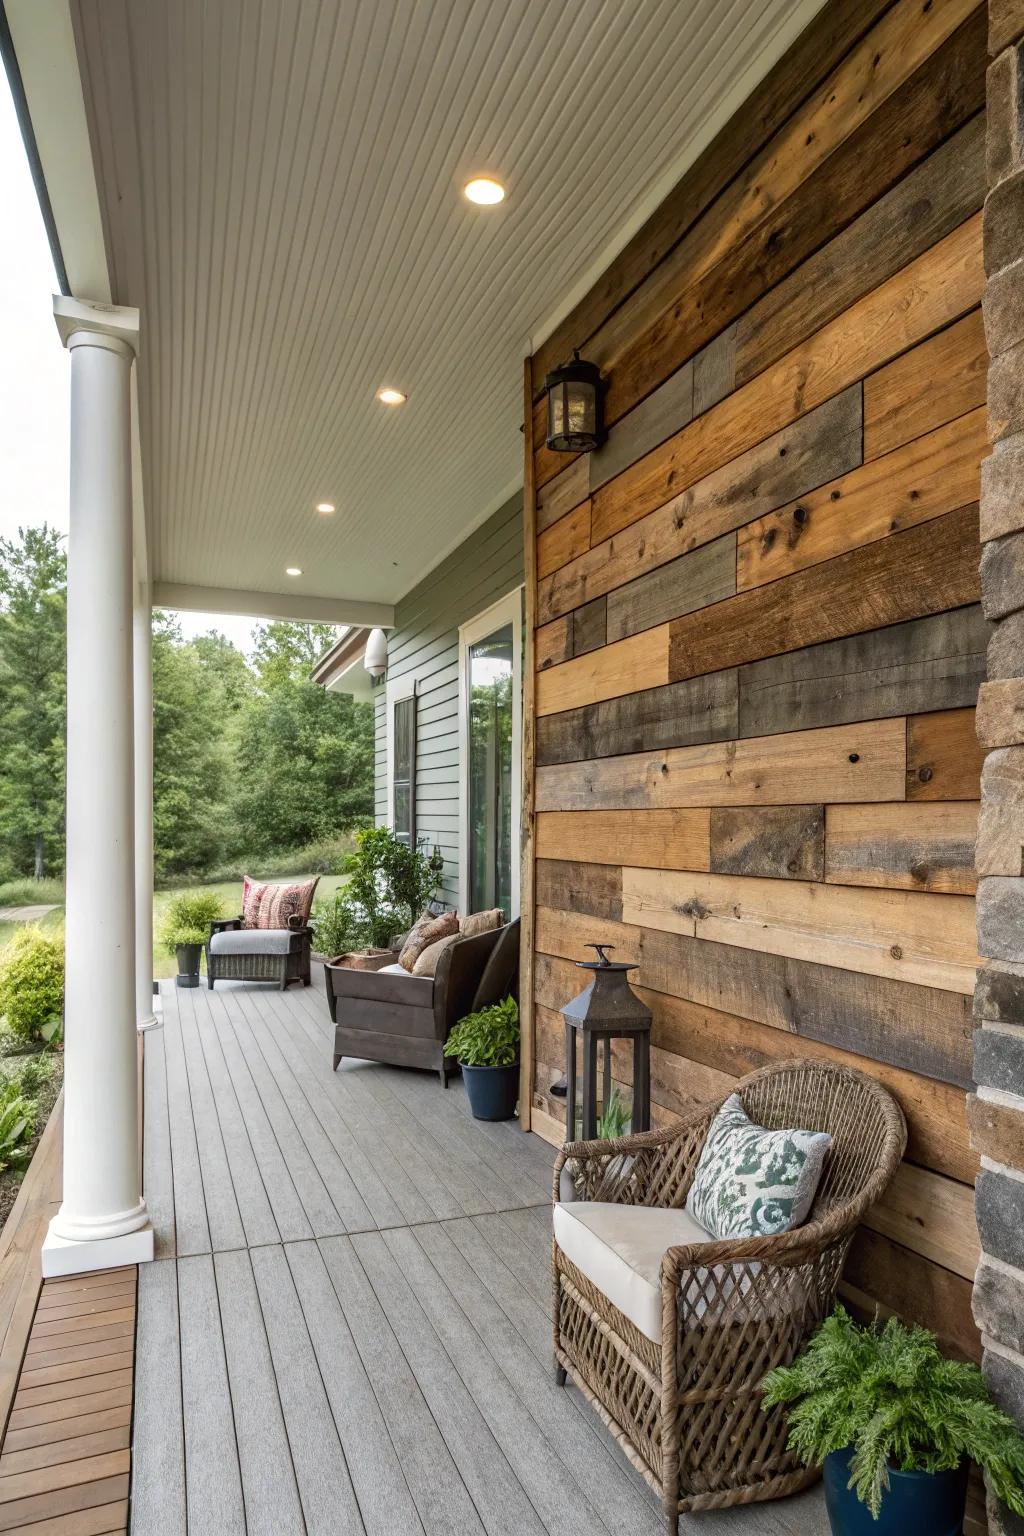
[997,1109]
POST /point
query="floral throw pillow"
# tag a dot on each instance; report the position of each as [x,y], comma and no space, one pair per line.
[751,1181]
[269,905]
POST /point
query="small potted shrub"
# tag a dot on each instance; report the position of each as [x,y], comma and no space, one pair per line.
[895,1424]
[186,928]
[486,1045]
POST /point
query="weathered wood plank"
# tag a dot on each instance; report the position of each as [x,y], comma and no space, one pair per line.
[922,207]
[564,540]
[575,886]
[562,493]
[931,1215]
[714,371]
[919,481]
[693,581]
[213,1482]
[932,663]
[645,426]
[785,842]
[882,1275]
[677,715]
[905,935]
[944,760]
[824,443]
[590,626]
[920,1029]
[932,291]
[673,839]
[937,381]
[641,661]
[925,570]
[844,763]
[553,642]
[920,846]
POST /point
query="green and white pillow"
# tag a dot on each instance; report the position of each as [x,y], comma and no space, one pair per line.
[753,1182]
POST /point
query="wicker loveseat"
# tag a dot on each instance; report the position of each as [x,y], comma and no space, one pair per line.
[236,953]
[681,1395]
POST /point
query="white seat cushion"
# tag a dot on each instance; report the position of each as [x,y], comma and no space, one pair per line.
[392,970]
[620,1248]
[251,941]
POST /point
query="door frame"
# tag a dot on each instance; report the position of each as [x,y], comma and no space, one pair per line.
[507,610]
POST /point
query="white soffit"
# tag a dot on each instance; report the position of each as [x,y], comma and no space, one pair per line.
[281,186]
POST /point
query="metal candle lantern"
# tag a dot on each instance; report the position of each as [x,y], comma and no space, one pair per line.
[575,407]
[607,1010]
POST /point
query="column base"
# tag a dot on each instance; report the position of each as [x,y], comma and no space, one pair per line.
[61,1256]
[154,1018]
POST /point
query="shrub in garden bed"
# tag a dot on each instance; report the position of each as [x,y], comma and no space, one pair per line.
[32,983]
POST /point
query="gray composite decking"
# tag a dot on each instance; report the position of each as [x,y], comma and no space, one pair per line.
[346,1329]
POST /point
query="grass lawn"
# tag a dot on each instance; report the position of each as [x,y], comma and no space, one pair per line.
[230,892]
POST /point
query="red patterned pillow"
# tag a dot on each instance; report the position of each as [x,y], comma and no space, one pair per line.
[268,905]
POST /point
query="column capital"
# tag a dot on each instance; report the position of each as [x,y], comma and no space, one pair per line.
[115,326]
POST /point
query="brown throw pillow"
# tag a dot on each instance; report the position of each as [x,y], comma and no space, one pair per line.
[426,930]
[426,965]
[481,922]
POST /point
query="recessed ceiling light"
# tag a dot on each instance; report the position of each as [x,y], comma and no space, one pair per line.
[293,570]
[325,506]
[389,396]
[485,191]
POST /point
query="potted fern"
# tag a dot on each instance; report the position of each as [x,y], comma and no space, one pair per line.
[895,1424]
[185,929]
[486,1045]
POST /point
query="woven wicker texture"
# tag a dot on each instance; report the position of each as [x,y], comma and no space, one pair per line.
[688,1412]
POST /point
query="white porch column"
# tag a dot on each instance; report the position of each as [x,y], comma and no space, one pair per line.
[103,1220]
[142,660]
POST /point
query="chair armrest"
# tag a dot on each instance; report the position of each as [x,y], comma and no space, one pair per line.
[224,925]
[649,1168]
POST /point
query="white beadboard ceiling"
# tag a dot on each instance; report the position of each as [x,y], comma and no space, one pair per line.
[280,183]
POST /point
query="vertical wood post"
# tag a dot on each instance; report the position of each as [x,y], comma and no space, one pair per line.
[997,1108]
[527,891]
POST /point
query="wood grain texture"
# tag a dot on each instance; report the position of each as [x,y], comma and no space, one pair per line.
[707,575]
[676,715]
[564,540]
[785,842]
[848,763]
[565,491]
[921,480]
[932,1215]
[925,570]
[590,626]
[577,886]
[928,294]
[663,412]
[819,446]
[638,662]
[923,938]
[553,643]
[939,380]
[673,839]
[918,1291]
[932,663]
[920,846]
[944,760]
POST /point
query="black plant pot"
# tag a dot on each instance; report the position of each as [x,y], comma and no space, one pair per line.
[189,956]
[915,1503]
[493,1091]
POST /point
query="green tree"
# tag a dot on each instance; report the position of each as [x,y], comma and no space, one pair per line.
[33,618]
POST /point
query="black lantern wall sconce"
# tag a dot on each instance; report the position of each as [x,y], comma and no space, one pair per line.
[575,407]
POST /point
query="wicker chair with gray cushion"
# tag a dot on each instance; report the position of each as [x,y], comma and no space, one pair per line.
[281,955]
[669,1332]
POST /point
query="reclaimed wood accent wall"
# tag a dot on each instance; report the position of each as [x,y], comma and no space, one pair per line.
[757,633]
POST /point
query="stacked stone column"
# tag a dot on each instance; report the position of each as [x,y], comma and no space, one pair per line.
[997,1108]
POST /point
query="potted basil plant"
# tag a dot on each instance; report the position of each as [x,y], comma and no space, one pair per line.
[895,1424]
[486,1045]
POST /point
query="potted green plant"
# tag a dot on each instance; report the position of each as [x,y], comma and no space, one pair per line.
[895,1424]
[486,1046]
[186,928]
[389,884]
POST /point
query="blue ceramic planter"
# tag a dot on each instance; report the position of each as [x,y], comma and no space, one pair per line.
[916,1504]
[493,1091]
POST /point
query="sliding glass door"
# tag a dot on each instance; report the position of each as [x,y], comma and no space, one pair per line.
[490,749]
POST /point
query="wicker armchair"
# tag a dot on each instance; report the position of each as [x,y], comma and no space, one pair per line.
[280,955]
[686,1408]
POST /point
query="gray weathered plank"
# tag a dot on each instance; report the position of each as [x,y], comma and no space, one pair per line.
[647,424]
[926,664]
[676,715]
[212,1476]
[158,1450]
[706,575]
[192,1231]
[783,842]
[268,1478]
[590,626]
[222,1213]
[714,371]
[575,887]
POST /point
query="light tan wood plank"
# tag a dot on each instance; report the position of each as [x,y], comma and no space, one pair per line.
[564,540]
[931,1215]
[919,846]
[666,839]
[936,381]
[641,661]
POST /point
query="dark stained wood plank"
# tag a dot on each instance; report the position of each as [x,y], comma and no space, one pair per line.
[925,570]
[580,887]
[663,412]
[944,759]
[919,209]
[694,581]
[670,839]
[932,663]
[939,380]
[784,842]
[925,845]
[590,626]
[824,443]
[678,715]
